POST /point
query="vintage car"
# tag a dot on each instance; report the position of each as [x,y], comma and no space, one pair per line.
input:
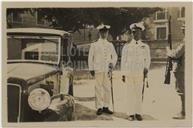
[40,79]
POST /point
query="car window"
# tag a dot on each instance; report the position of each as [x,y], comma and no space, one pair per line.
[33,48]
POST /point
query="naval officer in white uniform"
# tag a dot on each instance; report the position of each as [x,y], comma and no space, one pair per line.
[135,62]
[102,57]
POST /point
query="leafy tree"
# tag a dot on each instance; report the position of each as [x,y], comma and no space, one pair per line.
[75,18]
[118,18]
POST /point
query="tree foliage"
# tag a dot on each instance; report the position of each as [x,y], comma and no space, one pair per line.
[118,18]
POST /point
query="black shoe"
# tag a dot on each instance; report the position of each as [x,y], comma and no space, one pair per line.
[138,117]
[99,111]
[131,118]
[106,110]
[179,116]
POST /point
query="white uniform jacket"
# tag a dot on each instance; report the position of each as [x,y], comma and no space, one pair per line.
[135,57]
[101,53]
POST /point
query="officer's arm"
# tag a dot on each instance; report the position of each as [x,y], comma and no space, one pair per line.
[124,55]
[147,58]
[178,52]
[114,56]
[91,58]
[123,58]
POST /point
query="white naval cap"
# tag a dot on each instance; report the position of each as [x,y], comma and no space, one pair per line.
[137,25]
[102,26]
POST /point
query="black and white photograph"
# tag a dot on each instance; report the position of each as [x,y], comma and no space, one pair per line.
[97,64]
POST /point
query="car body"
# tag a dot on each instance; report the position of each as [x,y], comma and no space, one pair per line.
[39,77]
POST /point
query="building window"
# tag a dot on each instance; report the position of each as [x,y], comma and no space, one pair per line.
[181,12]
[161,15]
[161,33]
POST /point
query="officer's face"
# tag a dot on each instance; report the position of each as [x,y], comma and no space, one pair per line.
[104,34]
[137,34]
[126,36]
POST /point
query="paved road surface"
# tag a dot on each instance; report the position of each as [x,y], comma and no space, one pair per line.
[161,102]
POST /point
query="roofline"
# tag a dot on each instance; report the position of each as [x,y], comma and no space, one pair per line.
[38,31]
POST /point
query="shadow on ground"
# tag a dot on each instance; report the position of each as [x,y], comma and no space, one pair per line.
[85,113]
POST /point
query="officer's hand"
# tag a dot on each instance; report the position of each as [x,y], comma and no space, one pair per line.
[92,73]
[145,72]
[123,78]
[147,85]
[168,52]
[110,65]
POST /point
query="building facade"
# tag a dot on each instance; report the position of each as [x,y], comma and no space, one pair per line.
[160,30]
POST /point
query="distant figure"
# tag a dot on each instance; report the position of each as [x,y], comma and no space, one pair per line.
[135,62]
[77,27]
[54,22]
[45,20]
[178,56]
[89,36]
[9,21]
[102,58]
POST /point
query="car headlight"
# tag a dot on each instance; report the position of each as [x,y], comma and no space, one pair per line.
[39,99]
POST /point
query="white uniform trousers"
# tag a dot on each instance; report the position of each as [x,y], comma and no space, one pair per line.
[134,85]
[102,90]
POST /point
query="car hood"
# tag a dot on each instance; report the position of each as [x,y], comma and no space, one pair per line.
[28,71]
